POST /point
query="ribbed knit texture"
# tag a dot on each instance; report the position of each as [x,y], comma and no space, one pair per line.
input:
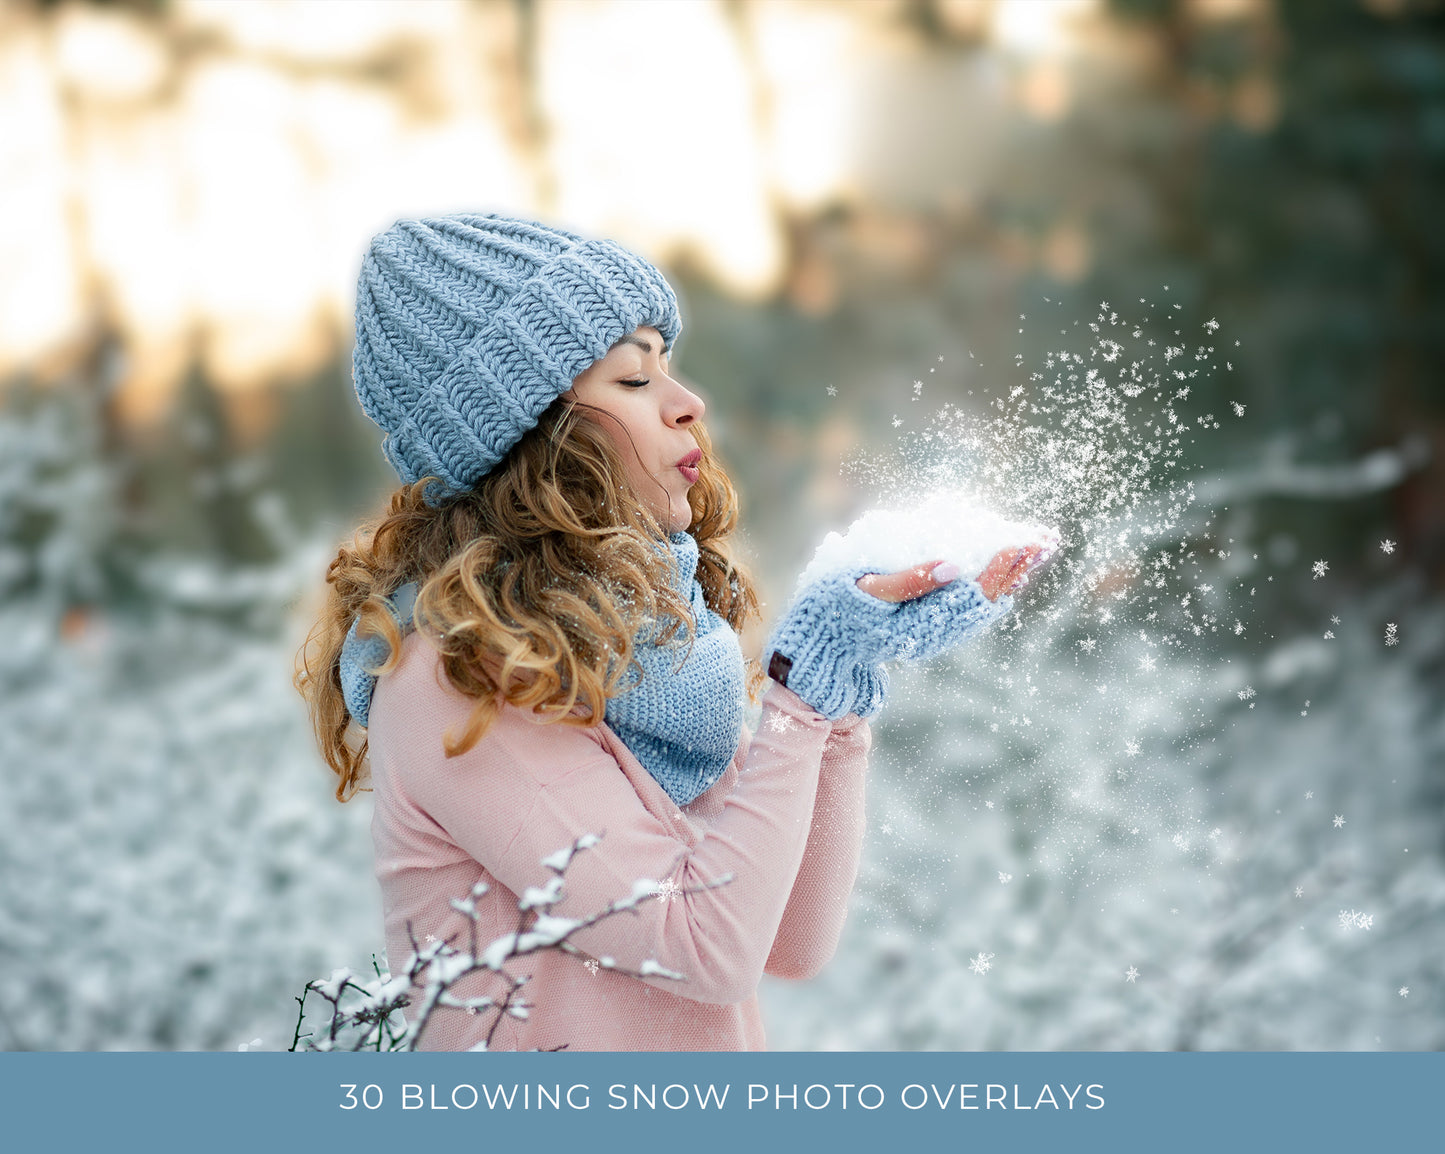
[838,636]
[361,655]
[468,327]
[683,719]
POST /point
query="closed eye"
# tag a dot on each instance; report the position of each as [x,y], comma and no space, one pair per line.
[637,384]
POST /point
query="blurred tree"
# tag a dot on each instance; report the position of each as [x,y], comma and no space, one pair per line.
[1300,185]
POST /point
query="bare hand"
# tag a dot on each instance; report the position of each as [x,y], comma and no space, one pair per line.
[1008,570]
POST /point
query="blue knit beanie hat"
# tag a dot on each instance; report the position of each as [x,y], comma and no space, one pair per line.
[468,327]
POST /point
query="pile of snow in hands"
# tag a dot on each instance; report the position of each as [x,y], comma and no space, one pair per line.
[951,525]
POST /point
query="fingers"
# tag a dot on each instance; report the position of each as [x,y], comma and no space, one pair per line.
[907,584]
[1018,569]
[1009,570]
[1025,563]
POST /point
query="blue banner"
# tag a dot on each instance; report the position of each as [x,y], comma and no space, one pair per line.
[1015,1102]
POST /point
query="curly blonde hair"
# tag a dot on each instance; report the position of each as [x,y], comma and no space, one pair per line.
[533,585]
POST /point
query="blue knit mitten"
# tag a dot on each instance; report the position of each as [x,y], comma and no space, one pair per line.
[831,643]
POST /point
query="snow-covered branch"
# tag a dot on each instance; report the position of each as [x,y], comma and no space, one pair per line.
[1278,476]
[368,1015]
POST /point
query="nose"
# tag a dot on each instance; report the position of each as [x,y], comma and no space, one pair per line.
[683,406]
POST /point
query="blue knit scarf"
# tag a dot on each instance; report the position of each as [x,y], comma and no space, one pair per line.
[682,720]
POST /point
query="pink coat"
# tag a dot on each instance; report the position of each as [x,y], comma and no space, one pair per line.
[785,821]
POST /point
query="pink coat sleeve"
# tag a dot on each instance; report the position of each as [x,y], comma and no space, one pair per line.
[818,906]
[528,789]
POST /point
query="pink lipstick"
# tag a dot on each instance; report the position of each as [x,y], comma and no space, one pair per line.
[688,466]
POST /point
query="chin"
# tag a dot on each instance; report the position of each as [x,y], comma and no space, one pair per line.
[677,517]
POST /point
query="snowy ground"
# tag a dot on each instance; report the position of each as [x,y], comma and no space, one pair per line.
[174,867]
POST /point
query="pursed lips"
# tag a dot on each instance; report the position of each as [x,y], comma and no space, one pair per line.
[688,466]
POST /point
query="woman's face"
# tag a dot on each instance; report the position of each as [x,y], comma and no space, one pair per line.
[646,413]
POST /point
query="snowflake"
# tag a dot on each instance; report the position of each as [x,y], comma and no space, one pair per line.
[1404,991]
[1146,663]
[1180,842]
[832,390]
[988,805]
[1319,569]
[1354,920]
[1211,325]
[1329,635]
[1004,878]
[1087,644]
[1238,627]
[1339,820]
[1237,407]
[431,937]
[917,389]
[1299,891]
[897,420]
[886,828]
[1215,832]
[1131,749]
[981,964]
[1387,546]
[667,890]
[1390,636]
[1130,974]
[591,965]
[1309,795]
[779,723]
[1246,693]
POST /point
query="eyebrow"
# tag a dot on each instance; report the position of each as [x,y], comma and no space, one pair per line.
[633,339]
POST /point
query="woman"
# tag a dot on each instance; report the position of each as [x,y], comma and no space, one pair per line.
[539,641]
